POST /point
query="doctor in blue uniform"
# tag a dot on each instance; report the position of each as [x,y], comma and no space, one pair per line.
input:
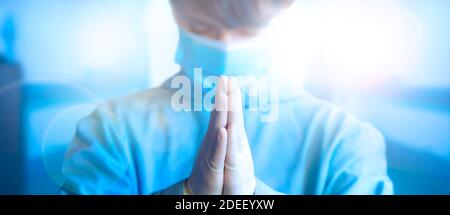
[144,144]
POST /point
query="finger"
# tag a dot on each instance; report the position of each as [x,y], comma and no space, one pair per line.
[232,174]
[221,89]
[221,103]
[235,117]
[216,158]
[219,114]
[232,156]
[218,117]
[234,102]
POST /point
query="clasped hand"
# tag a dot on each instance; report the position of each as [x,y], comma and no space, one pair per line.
[224,164]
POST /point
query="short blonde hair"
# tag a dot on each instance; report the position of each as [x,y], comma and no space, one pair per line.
[229,14]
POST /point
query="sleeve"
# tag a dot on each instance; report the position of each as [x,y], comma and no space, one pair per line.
[264,189]
[358,163]
[178,188]
[98,159]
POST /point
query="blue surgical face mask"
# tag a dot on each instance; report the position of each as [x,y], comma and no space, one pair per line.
[250,57]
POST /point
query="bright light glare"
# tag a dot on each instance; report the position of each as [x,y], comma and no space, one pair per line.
[105,41]
[163,41]
[355,42]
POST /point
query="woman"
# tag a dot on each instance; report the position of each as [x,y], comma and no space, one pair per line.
[144,143]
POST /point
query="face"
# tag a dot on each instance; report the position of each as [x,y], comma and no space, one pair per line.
[216,32]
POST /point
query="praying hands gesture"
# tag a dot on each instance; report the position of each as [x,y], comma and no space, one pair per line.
[224,164]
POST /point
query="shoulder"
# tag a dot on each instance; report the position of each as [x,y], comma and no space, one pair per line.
[350,152]
[334,125]
[115,116]
[139,100]
[136,103]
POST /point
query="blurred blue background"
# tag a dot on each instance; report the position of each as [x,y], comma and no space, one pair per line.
[387,62]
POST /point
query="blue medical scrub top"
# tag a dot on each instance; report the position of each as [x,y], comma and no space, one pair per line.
[140,145]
